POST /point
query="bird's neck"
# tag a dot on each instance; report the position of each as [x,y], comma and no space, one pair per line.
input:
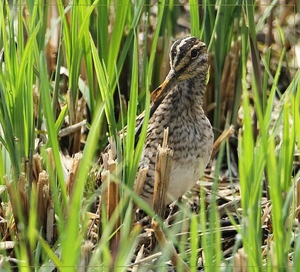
[190,92]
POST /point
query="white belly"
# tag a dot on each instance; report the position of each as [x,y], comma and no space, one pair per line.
[183,178]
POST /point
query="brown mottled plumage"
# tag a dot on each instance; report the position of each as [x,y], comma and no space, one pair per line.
[179,106]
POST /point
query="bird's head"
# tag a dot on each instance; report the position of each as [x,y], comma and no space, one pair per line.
[188,58]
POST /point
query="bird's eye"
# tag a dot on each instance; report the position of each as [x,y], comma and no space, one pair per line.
[194,53]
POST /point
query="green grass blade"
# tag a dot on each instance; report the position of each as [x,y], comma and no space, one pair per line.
[45,99]
[73,235]
[116,36]
[195,22]
[104,86]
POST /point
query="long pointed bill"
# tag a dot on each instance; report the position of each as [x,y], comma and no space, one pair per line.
[161,91]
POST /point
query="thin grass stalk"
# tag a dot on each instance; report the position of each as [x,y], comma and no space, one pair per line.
[296,114]
[277,203]
[210,223]
[280,185]
[267,74]
[8,97]
[102,29]
[268,113]
[217,32]
[21,123]
[296,110]
[66,31]
[286,153]
[146,83]
[165,31]
[102,42]
[194,239]
[133,156]
[206,255]
[85,12]
[167,25]
[195,19]
[121,10]
[32,226]
[91,94]
[161,8]
[102,256]
[262,143]
[125,49]
[208,20]
[254,49]
[71,250]
[129,152]
[251,165]
[72,59]
[226,16]
[291,90]
[132,112]
[104,87]
[76,56]
[144,59]
[27,87]
[128,241]
[57,74]
[238,87]
[48,251]
[45,100]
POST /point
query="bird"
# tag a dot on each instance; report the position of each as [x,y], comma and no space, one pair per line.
[177,104]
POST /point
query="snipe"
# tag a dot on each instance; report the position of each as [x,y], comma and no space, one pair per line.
[178,105]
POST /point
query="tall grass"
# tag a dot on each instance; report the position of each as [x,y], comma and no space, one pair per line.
[99,43]
[260,159]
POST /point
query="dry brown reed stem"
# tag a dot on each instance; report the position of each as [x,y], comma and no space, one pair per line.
[226,134]
[103,196]
[164,244]
[51,232]
[110,199]
[85,256]
[45,206]
[139,185]
[240,261]
[162,176]
[138,258]
[71,129]
[36,167]
[43,194]
[50,157]
[73,173]
[140,181]
[112,189]
[18,198]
